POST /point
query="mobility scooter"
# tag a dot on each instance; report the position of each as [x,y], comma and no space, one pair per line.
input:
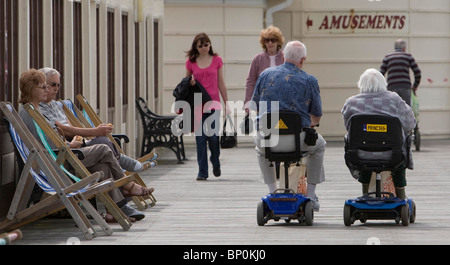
[284,147]
[377,143]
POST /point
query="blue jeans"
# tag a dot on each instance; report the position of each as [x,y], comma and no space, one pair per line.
[209,135]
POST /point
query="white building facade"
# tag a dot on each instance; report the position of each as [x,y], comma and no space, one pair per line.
[113,51]
[344,37]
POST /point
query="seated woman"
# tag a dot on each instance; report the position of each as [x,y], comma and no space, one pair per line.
[99,157]
[374,98]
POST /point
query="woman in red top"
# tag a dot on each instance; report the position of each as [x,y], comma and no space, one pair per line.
[206,67]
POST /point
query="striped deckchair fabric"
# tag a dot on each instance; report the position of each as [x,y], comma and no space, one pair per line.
[76,117]
[52,153]
[63,192]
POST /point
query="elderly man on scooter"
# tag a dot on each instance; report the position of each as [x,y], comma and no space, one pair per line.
[295,90]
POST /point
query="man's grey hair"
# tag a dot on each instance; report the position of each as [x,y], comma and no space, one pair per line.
[294,51]
[49,72]
[400,44]
[372,81]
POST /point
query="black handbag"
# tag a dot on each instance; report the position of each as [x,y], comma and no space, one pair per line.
[247,125]
[228,140]
[311,136]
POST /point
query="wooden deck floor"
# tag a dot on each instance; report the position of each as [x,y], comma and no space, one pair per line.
[222,211]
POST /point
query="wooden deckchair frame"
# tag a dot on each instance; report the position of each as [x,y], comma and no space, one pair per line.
[67,155]
[96,122]
[38,159]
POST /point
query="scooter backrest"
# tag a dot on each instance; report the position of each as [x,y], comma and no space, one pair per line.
[282,131]
[374,142]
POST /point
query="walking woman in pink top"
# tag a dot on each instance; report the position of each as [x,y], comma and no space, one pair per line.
[206,67]
[271,40]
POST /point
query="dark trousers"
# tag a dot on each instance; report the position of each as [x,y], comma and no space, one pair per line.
[404,91]
[209,136]
[398,176]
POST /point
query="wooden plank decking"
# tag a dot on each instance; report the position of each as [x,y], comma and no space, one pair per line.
[222,211]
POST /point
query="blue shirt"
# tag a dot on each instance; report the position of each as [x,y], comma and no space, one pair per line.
[292,88]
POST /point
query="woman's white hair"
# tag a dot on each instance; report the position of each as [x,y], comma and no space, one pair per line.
[372,81]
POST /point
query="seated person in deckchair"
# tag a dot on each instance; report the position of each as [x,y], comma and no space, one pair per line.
[99,157]
[57,119]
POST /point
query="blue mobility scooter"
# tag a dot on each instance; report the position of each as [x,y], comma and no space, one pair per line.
[284,204]
[376,143]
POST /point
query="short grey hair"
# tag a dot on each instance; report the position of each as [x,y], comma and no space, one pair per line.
[400,44]
[372,81]
[295,51]
[49,72]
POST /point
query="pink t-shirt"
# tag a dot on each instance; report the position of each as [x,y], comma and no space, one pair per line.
[209,78]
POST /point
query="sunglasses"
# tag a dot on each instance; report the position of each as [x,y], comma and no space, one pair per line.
[206,45]
[55,85]
[270,40]
[45,86]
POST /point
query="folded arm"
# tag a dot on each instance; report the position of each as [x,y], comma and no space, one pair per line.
[70,131]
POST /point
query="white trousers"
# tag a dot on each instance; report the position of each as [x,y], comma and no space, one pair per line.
[315,171]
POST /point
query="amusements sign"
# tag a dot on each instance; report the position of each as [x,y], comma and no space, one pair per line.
[356,22]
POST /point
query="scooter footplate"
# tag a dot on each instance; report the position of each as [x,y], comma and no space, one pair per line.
[285,203]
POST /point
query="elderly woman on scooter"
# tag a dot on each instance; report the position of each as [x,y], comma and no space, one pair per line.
[374,98]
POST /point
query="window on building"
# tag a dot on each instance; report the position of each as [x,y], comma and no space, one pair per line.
[77,49]
[9,86]
[137,59]
[156,60]
[36,34]
[58,41]
[111,58]
[125,59]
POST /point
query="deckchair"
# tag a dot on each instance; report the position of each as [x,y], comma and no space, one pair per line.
[66,155]
[63,192]
[80,119]
[89,118]
[93,119]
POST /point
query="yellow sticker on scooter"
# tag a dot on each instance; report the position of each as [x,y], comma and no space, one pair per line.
[382,128]
[281,125]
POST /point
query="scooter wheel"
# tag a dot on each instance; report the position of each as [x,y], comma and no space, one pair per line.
[417,139]
[309,213]
[404,214]
[348,215]
[412,217]
[260,214]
